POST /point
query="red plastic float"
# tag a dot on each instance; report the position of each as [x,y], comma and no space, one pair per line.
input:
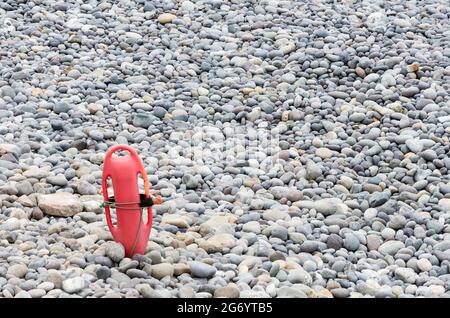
[124,171]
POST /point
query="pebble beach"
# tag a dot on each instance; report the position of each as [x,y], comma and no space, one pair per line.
[301,147]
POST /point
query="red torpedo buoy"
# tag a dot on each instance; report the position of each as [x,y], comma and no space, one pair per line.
[124,172]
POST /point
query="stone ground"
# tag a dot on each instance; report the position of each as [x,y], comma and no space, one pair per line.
[301,148]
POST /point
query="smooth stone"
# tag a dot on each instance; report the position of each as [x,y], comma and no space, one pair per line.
[124,95]
[299,276]
[230,291]
[74,285]
[147,291]
[334,241]
[390,247]
[351,242]
[17,270]
[103,272]
[115,251]
[410,91]
[202,270]
[407,275]
[58,180]
[162,270]
[397,222]
[60,204]
[142,120]
[85,188]
[324,206]
[324,153]
[424,265]
[166,18]
[378,198]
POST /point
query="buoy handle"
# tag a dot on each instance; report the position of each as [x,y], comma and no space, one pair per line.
[115,148]
[111,226]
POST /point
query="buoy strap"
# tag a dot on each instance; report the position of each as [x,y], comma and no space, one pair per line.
[143,203]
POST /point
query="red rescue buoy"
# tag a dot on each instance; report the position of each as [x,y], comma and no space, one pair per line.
[124,172]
